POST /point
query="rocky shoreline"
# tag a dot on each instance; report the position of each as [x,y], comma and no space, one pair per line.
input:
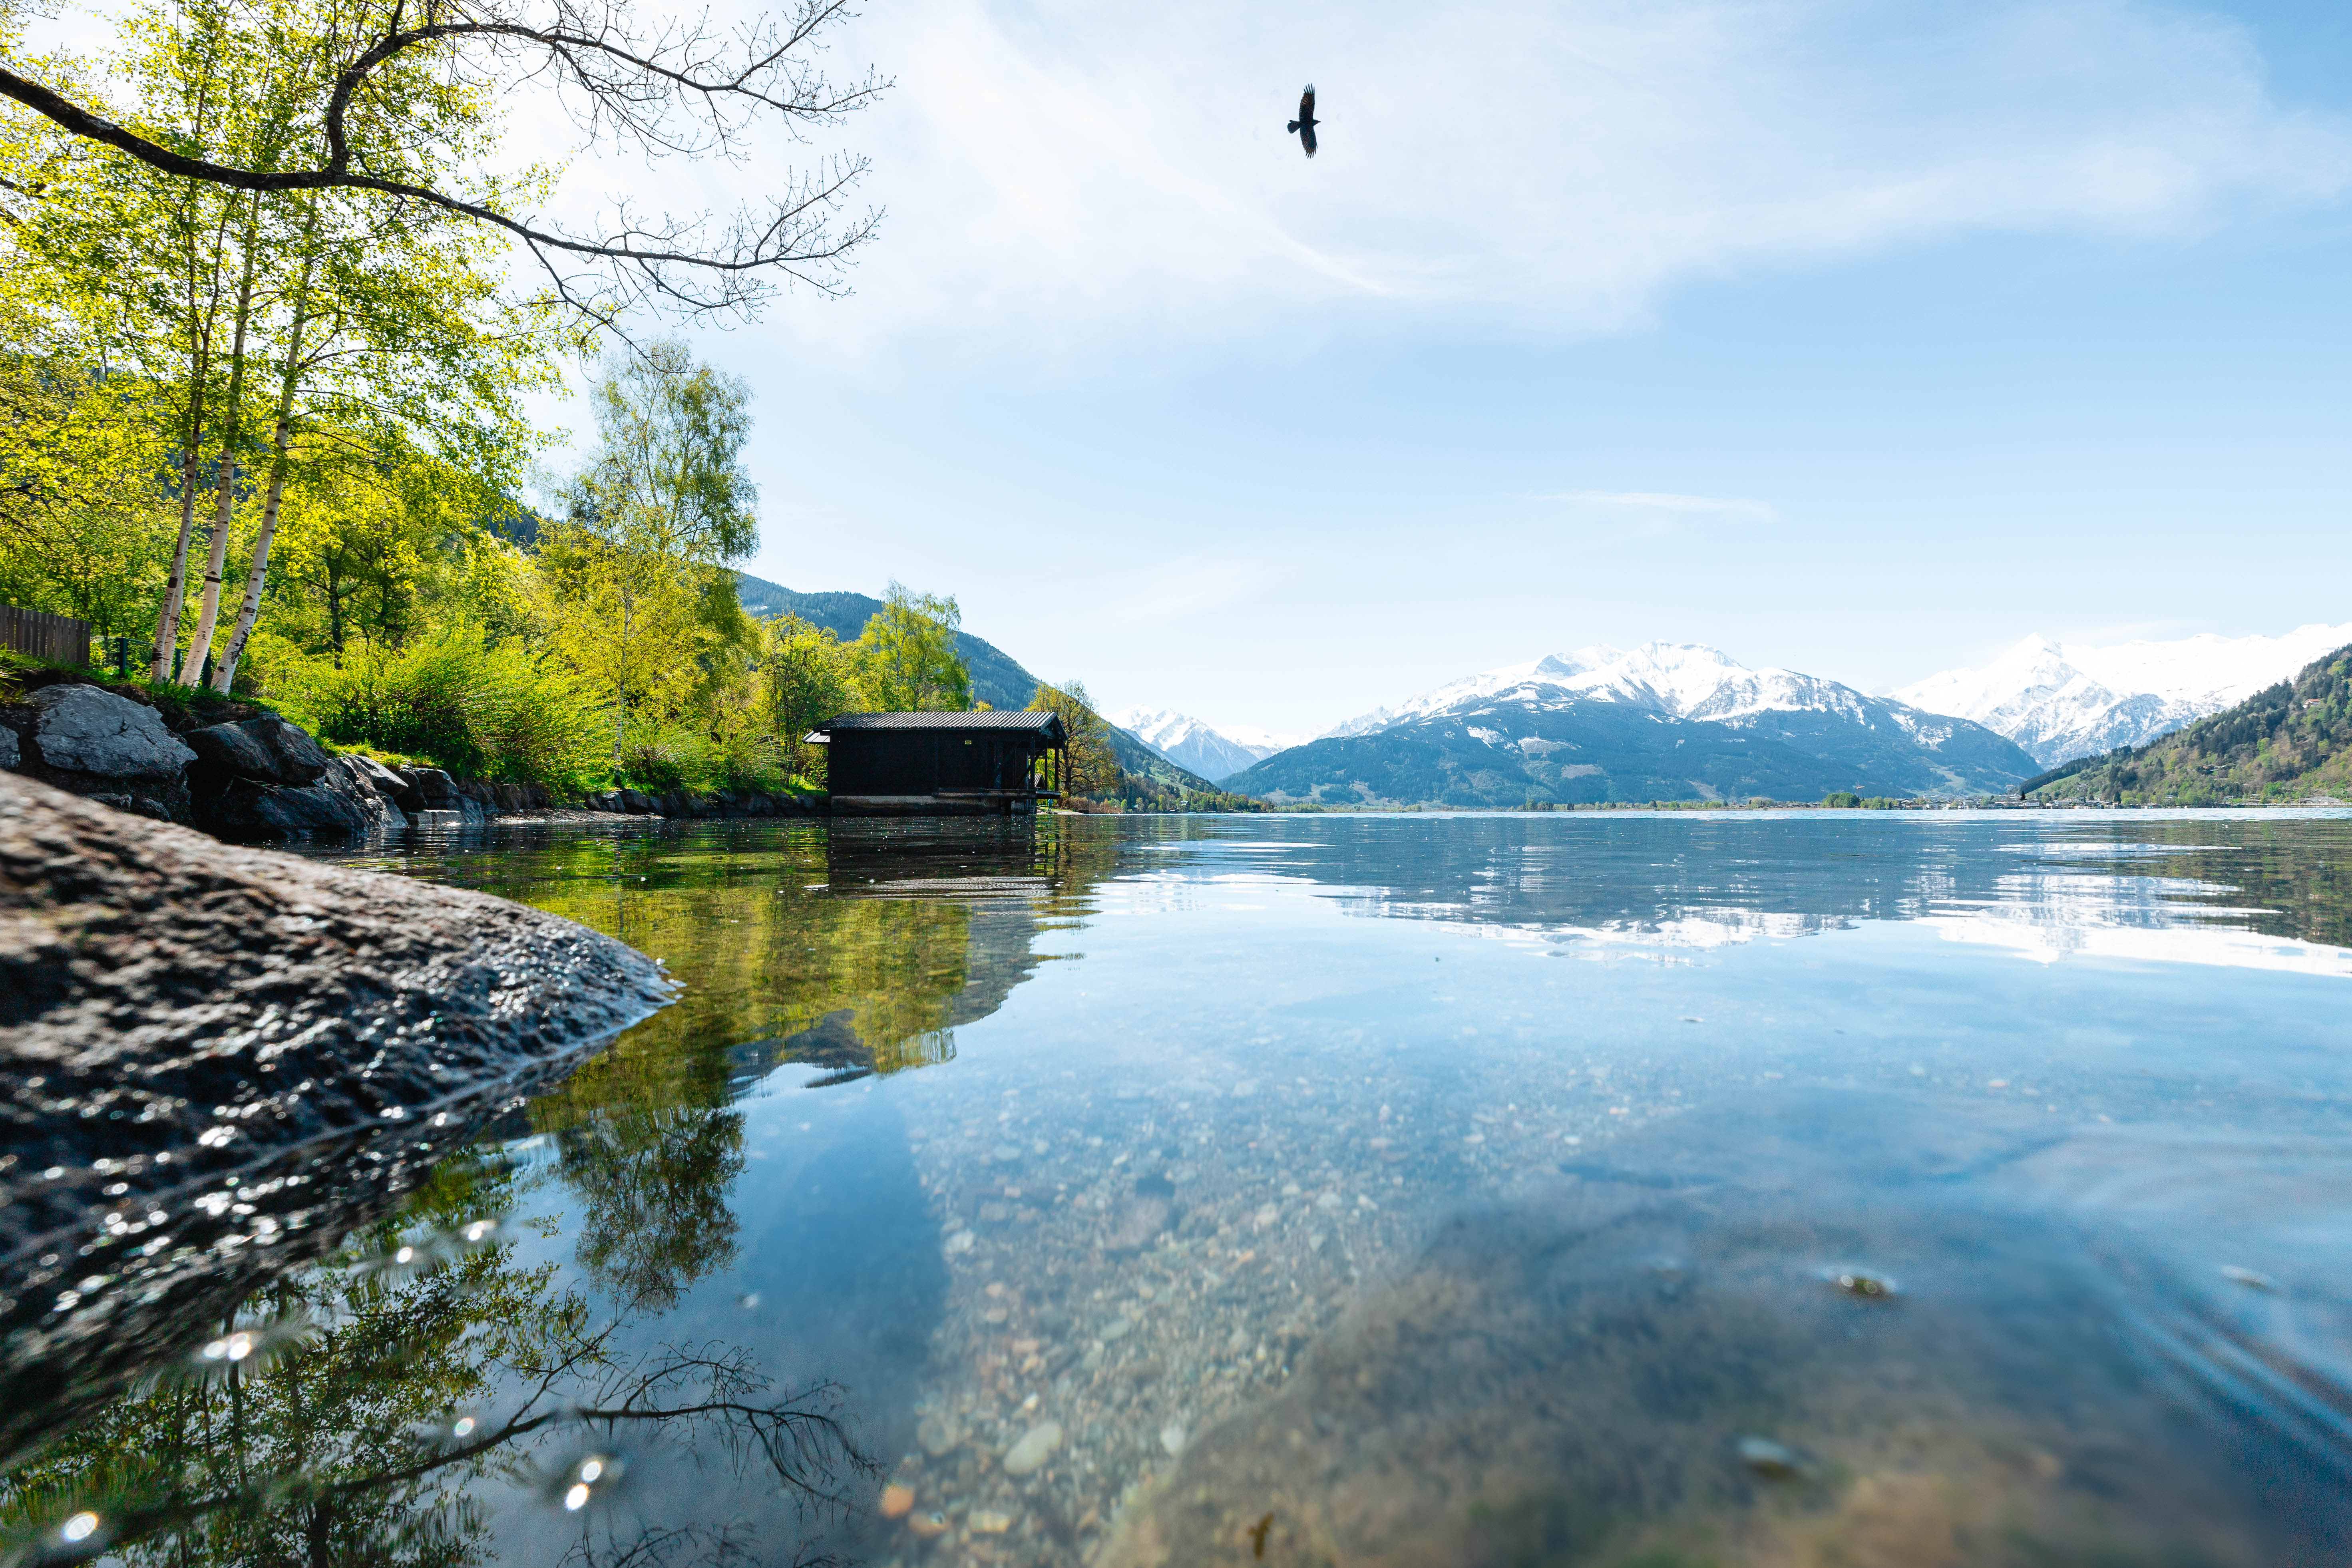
[239,771]
[216,1059]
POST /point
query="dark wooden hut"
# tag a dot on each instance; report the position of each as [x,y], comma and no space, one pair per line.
[907,764]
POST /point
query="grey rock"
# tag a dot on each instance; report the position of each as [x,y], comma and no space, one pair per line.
[267,749]
[939,1434]
[376,776]
[434,790]
[250,808]
[84,729]
[216,1027]
[1036,1445]
[298,758]
[11,753]
[225,752]
[345,778]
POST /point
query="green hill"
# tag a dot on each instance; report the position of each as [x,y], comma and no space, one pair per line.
[2280,745]
[997,679]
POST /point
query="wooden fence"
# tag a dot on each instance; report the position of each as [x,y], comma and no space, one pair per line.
[60,638]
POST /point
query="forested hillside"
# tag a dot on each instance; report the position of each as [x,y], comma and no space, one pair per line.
[997,679]
[2288,742]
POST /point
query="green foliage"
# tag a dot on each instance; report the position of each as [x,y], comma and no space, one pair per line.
[997,679]
[666,477]
[84,528]
[1094,770]
[907,656]
[632,592]
[2289,742]
[476,708]
[807,676]
[1843,799]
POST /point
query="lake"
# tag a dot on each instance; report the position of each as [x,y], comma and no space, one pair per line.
[1877,1188]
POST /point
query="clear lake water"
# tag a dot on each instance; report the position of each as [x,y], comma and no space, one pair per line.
[1848,1190]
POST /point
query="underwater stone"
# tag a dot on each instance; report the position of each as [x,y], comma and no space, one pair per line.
[1036,1446]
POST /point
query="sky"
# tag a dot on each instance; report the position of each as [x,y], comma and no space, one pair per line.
[1859,337]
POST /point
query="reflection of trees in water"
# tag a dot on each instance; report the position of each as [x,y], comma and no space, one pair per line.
[340,1443]
[654,1216]
[860,946]
[2288,877]
[379,1396]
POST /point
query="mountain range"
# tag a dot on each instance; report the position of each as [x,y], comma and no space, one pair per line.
[2289,741]
[1189,744]
[1680,722]
[2064,701]
[1664,722]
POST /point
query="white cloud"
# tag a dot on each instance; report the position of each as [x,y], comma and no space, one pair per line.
[1666,501]
[1064,172]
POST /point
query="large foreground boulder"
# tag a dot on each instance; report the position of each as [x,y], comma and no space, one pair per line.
[213,1059]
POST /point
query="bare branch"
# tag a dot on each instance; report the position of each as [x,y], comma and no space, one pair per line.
[679,89]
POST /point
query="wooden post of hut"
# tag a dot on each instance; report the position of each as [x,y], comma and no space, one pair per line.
[907,764]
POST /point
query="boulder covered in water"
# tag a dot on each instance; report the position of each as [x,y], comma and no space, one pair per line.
[186,1024]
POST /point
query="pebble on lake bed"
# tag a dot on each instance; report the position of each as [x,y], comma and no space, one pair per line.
[898,1500]
[1036,1446]
[939,1436]
[1866,1283]
[1770,1459]
[988,1521]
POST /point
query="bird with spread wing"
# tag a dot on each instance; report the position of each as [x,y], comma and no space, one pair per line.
[1303,126]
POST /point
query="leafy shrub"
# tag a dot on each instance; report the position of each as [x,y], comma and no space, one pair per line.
[477,709]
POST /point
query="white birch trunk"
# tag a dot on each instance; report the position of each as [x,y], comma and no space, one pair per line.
[225,509]
[225,670]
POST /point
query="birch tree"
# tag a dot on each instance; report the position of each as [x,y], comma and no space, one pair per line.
[907,661]
[653,519]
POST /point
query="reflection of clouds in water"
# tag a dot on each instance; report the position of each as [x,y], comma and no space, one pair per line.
[2020,931]
[2051,917]
[2047,915]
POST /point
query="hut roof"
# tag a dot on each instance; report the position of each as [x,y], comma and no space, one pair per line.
[1047,726]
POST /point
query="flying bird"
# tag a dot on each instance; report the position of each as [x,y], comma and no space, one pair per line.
[1303,126]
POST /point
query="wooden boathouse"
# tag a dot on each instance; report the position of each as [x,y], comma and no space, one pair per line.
[907,764]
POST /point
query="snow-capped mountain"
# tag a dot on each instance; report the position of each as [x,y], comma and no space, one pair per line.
[1551,666]
[1265,743]
[1189,744]
[1664,722]
[1688,680]
[2064,700]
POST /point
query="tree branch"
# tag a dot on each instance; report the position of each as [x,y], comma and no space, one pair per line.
[635,89]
